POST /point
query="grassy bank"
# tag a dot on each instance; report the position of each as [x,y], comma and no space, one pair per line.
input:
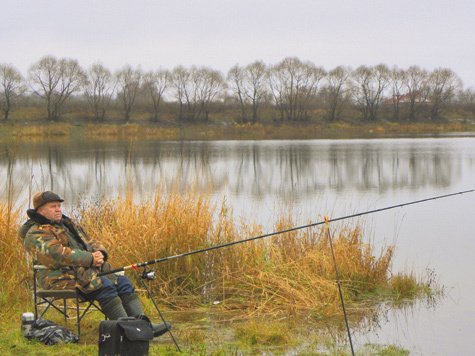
[272,294]
[230,131]
[200,338]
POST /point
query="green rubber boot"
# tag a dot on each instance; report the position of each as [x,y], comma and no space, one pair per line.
[114,309]
[133,308]
[160,329]
[132,305]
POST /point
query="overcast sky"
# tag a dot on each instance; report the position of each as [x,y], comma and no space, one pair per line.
[220,33]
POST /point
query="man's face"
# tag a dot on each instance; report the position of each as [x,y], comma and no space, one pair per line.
[51,210]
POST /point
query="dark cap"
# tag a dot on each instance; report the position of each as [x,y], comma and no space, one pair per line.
[42,198]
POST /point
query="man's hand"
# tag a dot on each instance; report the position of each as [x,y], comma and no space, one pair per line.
[98,259]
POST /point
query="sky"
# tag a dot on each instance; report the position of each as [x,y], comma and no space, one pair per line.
[219,34]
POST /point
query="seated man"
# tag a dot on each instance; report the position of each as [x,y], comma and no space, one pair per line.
[56,242]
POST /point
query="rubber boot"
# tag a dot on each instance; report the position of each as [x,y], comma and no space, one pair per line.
[160,329]
[133,307]
[114,309]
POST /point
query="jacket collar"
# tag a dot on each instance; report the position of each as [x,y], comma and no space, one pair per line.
[40,219]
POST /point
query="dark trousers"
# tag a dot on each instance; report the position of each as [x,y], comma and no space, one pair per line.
[109,290]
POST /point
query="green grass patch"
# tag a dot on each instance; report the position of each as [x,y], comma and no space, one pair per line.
[257,332]
[217,335]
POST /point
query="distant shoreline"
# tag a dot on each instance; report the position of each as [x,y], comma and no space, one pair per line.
[231,131]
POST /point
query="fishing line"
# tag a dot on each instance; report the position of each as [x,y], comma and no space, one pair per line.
[159,260]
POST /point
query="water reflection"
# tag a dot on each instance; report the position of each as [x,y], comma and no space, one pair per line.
[278,169]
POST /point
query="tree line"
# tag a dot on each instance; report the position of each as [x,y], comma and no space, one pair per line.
[291,90]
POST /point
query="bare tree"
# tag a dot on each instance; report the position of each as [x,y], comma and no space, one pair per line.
[444,85]
[368,87]
[396,76]
[415,81]
[128,81]
[336,91]
[293,85]
[249,85]
[256,89]
[55,81]
[195,89]
[210,84]
[467,99]
[99,90]
[184,93]
[11,82]
[155,84]
[236,78]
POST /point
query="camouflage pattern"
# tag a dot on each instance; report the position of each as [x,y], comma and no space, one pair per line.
[60,246]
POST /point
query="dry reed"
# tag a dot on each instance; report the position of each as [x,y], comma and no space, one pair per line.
[13,260]
[286,273]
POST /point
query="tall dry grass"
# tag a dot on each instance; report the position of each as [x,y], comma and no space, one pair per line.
[13,260]
[284,273]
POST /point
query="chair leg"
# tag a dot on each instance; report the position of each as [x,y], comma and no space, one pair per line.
[50,302]
[65,310]
[45,309]
[34,295]
[78,318]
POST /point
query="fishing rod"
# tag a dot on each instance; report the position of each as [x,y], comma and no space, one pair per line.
[135,266]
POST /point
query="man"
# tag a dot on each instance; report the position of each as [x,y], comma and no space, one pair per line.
[56,242]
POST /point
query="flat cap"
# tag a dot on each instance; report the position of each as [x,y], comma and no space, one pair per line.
[42,198]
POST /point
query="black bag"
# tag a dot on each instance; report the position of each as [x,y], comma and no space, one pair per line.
[125,337]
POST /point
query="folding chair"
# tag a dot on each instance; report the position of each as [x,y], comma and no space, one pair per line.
[50,297]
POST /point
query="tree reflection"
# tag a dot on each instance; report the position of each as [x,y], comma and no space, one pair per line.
[254,169]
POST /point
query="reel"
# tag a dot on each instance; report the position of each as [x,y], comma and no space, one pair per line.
[148,275]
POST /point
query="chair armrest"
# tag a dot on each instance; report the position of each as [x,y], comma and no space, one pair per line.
[38,267]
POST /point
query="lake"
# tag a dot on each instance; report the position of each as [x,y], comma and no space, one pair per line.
[312,178]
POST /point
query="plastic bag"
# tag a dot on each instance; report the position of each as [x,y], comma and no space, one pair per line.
[50,333]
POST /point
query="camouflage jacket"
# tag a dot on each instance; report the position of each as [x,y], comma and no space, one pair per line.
[63,248]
